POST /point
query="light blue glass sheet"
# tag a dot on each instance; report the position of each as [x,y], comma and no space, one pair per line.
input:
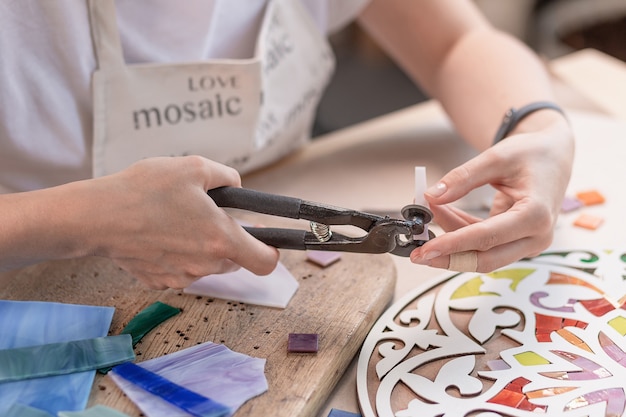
[29,323]
[209,369]
[95,411]
[65,357]
[19,410]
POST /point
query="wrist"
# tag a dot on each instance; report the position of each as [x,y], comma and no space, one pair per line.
[73,228]
[40,225]
[530,118]
[542,120]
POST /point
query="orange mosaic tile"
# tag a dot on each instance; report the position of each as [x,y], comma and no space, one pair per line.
[587,221]
[589,198]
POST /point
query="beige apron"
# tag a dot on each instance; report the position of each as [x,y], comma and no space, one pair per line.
[242,113]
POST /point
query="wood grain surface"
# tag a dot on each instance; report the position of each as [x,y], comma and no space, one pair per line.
[340,303]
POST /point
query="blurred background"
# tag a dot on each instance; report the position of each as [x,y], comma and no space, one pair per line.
[367,84]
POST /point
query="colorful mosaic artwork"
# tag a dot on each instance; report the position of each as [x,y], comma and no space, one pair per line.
[542,336]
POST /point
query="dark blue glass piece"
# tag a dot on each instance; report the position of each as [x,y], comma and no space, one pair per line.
[174,394]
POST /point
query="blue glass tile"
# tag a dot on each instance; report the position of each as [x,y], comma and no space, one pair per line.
[29,323]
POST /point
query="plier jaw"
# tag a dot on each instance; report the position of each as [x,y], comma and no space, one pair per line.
[384,234]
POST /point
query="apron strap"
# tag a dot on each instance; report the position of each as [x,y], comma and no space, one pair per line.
[105,34]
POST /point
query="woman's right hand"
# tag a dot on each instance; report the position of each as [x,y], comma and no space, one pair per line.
[157,222]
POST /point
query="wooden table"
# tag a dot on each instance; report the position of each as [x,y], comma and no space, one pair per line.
[340,303]
[368,166]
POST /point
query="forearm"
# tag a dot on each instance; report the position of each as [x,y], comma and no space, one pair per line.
[455,55]
[486,74]
[153,219]
[43,225]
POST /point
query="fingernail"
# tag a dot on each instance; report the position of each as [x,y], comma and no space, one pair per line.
[437,190]
[426,258]
[432,254]
[420,261]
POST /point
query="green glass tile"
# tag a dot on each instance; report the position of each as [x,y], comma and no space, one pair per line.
[147,319]
[619,324]
[471,288]
[516,275]
[531,358]
[64,358]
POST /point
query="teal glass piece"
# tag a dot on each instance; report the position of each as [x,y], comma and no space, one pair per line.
[20,410]
[147,319]
[95,411]
[65,357]
[29,323]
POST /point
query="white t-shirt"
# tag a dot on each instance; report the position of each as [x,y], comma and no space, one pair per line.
[47,57]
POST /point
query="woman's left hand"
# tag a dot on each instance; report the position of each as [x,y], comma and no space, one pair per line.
[530,172]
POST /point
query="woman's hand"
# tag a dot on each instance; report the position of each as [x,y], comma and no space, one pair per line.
[530,172]
[157,222]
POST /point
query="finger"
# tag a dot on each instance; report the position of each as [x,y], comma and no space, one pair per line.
[452,218]
[501,204]
[463,261]
[481,236]
[211,265]
[183,279]
[457,183]
[214,174]
[486,261]
[251,253]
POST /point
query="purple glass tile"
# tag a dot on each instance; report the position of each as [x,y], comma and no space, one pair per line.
[570,204]
[616,402]
[614,398]
[611,349]
[586,364]
[498,365]
[590,370]
[209,369]
[303,342]
[535,299]
[340,413]
[323,258]
[583,375]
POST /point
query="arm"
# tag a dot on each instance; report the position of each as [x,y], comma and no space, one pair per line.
[153,219]
[478,73]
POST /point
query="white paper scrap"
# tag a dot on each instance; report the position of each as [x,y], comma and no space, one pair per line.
[273,290]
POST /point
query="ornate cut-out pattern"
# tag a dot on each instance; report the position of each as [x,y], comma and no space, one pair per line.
[546,335]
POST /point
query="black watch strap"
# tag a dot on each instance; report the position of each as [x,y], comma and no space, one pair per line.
[513,116]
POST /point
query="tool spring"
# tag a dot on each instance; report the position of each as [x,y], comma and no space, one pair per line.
[321,231]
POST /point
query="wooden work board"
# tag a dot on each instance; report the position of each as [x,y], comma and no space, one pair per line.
[340,303]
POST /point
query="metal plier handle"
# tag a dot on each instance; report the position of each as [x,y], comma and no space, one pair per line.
[384,234]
